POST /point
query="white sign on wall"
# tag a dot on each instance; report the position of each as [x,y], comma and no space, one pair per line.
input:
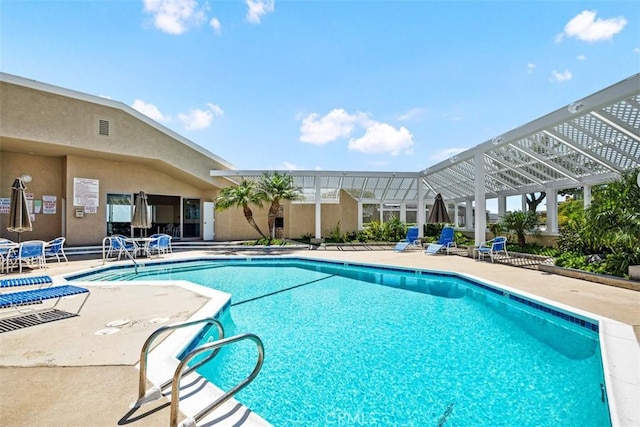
[85,192]
[48,205]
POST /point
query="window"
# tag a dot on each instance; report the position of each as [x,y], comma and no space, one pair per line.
[119,213]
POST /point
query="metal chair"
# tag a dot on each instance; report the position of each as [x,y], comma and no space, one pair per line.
[54,249]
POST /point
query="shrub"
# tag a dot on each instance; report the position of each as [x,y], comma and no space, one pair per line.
[394,230]
[521,223]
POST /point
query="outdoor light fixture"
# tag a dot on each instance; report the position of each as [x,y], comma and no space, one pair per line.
[576,107]
[497,140]
[26,178]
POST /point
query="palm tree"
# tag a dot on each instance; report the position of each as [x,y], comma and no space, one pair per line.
[241,196]
[521,223]
[274,188]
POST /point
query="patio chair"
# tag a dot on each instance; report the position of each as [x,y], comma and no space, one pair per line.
[55,249]
[446,241]
[7,248]
[29,253]
[412,239]
[41,281]
[161,244]
[119,244]
[493,248]
[18,300]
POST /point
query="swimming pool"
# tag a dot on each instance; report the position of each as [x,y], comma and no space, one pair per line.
[355,345]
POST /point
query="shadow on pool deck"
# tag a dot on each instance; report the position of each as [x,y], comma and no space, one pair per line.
[62,373]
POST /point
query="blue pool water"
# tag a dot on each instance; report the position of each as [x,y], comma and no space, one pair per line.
[350,345]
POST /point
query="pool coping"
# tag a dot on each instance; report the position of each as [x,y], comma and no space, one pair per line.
[618,344]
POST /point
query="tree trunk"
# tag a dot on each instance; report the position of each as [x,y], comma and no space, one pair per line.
[522,241]
[533,202]
[248,214]
[273,212]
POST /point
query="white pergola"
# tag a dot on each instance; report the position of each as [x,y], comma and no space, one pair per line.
[577,146]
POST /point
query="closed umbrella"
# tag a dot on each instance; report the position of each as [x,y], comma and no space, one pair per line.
[19,220]
[439,214]
[141,212]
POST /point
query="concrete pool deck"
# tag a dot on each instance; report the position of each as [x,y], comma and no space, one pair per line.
[62,373]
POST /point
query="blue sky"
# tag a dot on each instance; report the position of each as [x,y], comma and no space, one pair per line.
[329,85]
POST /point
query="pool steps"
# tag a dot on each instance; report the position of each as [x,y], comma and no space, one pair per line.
[181,370]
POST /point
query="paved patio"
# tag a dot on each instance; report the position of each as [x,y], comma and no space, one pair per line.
[62,373]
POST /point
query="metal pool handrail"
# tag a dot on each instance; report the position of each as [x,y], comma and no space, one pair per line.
[142,383]
[104,257]
[175,389]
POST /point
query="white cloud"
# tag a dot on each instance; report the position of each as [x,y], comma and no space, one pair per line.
[441,155]
[197,119]
[581,57]
[175,16]
[586,27]
[215,24]
[258,8]
[531,67]
[336,124]
[412,114]
[150,110]
[636,50]
[383,138]
[560,77]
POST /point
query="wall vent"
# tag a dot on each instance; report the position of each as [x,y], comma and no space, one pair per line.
[103,127]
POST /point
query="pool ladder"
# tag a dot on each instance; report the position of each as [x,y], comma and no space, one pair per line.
[214,347]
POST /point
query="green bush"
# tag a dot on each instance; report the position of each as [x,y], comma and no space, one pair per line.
[394,230]
[374,232]
[433,230]
[610,226]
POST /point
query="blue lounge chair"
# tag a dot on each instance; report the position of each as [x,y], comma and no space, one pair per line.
[26,281]
[17,300]
[493,248]
[446,241]
[412,239]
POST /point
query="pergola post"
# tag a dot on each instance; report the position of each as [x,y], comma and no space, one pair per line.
[587,196]
[420,213]
[318,209]
[456,215]
[502,206]
[552,210]
[468,214]
[481,203]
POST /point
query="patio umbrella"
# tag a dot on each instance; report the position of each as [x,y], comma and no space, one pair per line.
[141,212]
[439,214]
[19,219]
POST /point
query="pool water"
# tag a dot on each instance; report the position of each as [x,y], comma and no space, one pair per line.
[349,345]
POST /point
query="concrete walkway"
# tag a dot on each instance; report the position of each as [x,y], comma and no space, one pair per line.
[62,373]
